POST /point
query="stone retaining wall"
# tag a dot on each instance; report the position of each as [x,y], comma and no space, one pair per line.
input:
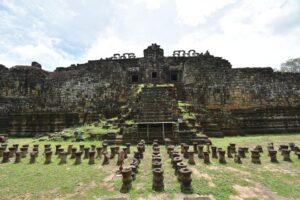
[103,86]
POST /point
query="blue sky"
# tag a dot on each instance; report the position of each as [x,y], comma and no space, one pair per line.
[249,33]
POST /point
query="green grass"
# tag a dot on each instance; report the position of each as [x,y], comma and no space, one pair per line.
[41,181]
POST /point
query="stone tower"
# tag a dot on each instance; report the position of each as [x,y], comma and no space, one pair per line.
[153,52]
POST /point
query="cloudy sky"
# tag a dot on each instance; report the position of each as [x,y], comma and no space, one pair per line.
[249,33]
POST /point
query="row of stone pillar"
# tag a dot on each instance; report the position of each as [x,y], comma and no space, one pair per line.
[204,151]
[87,152]
[181,171]
[158,172]
[129,173]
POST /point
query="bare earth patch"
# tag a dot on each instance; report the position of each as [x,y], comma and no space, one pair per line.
[22,197]
[203,175]
[244,173]
[4,190]
[274,168]
[139,185]
[213,167]
[55,190]
[155,197]
[176,197]
[255,192]
[109,178]
[181,196]
[112,198]
[80,189]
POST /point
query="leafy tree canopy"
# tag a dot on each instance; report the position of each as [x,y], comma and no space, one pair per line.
[292,65]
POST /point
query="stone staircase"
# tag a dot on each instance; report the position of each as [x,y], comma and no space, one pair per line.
[157,112]
[157,104]
[156,115]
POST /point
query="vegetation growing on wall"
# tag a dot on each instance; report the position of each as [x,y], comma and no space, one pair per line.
[184,110]
[97,130]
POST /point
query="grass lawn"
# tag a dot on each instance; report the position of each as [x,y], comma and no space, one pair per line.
[230,181]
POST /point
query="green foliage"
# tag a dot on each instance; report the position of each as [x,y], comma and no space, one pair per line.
[138,89]
[184,109]
[183,105]
[187,116]
[129,122]
[95,130]
[292,65]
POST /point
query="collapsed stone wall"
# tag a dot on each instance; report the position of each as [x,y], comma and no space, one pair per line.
[34,101]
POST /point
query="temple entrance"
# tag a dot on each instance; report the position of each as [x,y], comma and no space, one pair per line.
[134,78]
[174,77]
[154,75]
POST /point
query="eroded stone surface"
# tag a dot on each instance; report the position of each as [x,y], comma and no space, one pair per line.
[34,101]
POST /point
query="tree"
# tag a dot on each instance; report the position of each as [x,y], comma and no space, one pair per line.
[292,65]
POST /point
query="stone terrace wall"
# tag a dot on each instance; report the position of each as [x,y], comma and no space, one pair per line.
[90,88]
[237,88]
[261,87]
[265,101]
[35,101]
[261,99]
[81,92]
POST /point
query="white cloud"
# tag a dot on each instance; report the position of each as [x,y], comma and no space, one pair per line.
[246,35]
[43,50]
[150,4]
[193,12]
[105,47]
[62,32]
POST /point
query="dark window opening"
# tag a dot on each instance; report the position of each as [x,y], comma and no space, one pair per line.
[154,74]
[134,78]
[174,77]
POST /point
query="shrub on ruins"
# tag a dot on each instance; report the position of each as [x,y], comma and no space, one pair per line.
[99,130]
[185,110]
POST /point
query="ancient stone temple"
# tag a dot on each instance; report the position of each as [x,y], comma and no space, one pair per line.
[162,96]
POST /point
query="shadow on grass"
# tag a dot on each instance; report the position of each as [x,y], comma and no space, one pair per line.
[187,190]
[125,189]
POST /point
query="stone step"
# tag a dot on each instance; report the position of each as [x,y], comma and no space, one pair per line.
[152,100]
[155,120]
[165,118]
[170,114]
[174,140]
[155,96]
[145,118]
[158,92]
[155,104]
[154,114]
[156,107]
[158,88]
